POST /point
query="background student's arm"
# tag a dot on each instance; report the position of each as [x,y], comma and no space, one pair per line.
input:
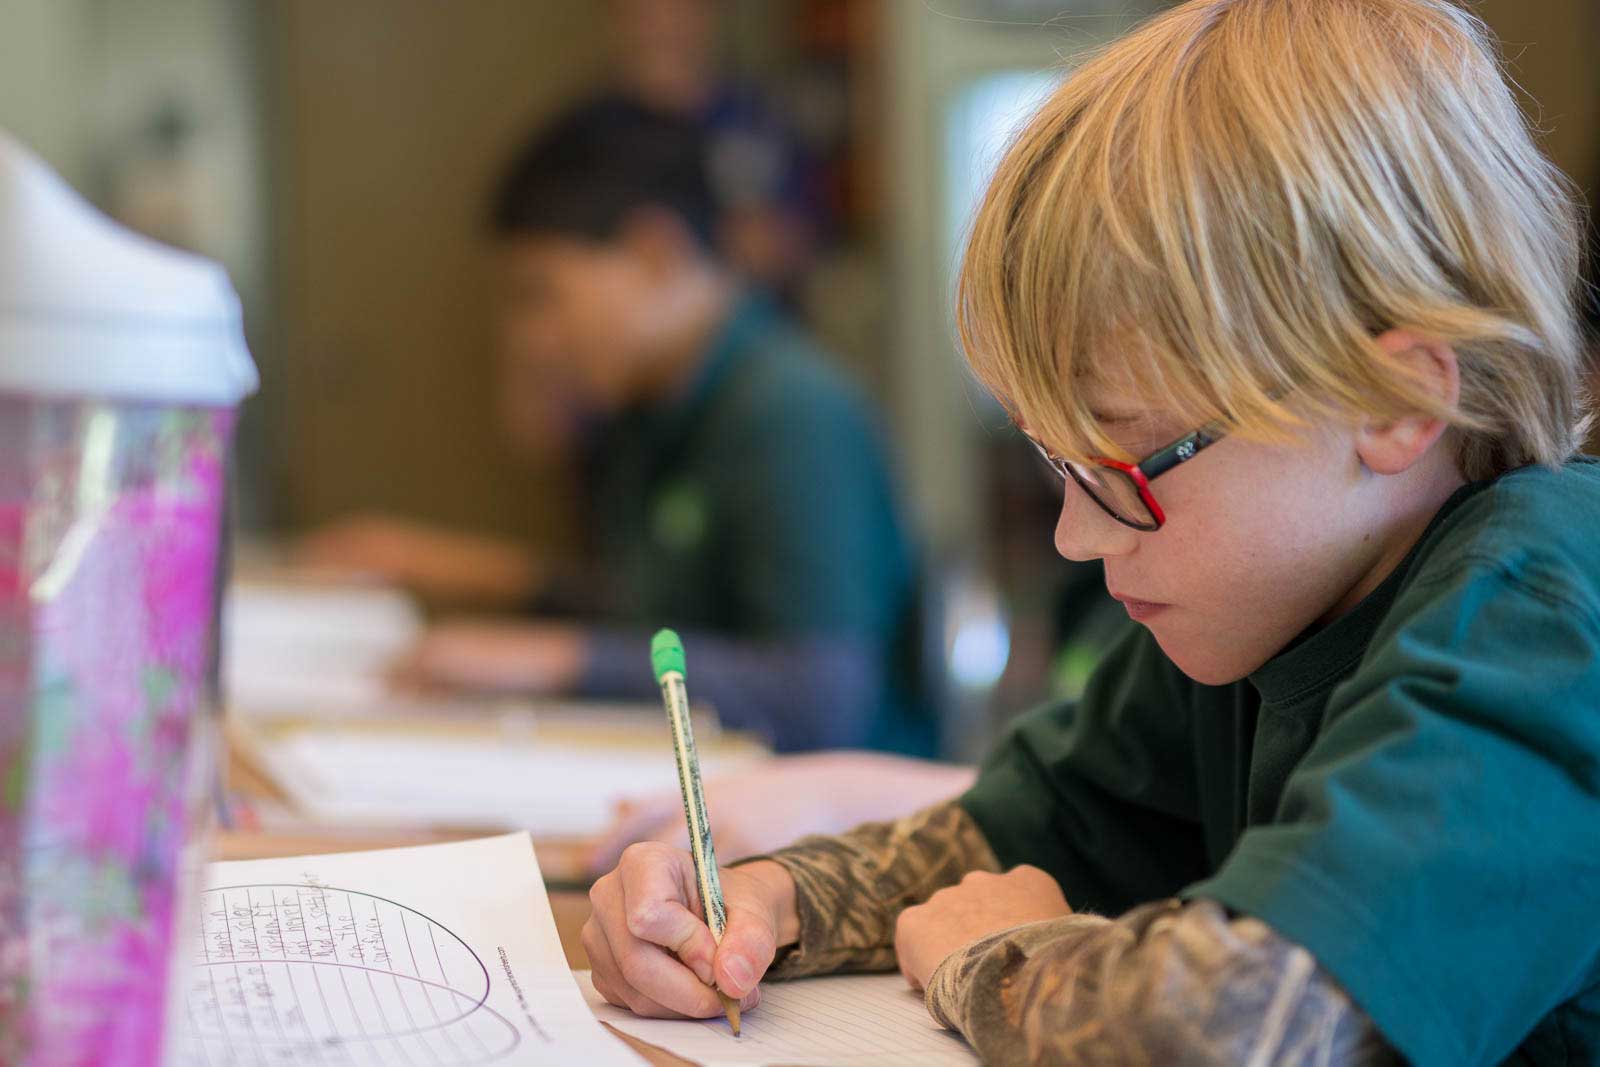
[442,566]
[1167,983]
[803,693]
[798,695]
[770,803]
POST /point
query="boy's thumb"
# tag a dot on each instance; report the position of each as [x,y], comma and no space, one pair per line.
[746,951]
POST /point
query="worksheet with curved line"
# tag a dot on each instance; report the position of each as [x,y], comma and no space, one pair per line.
[857,1020]
[439,956]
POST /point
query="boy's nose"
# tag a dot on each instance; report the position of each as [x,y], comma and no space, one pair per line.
[1085,532]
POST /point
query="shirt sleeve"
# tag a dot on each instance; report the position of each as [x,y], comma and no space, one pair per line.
[1438,849]
[1165,984]
[1101,792]
[850,889]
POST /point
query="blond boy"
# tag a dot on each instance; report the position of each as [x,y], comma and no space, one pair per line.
[1285,292]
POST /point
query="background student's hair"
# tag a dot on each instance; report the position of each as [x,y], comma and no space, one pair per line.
[589,173]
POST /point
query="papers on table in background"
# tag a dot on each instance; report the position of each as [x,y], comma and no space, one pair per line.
[433,956]
[303,646]
[843,1021]
[557,774]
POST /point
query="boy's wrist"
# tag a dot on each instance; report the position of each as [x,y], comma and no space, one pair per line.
[778,889]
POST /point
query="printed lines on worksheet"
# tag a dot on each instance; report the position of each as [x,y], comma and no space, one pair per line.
[327,977]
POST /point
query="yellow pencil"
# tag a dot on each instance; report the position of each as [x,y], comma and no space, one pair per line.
[666,656]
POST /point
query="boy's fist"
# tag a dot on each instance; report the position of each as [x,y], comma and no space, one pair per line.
[958,915]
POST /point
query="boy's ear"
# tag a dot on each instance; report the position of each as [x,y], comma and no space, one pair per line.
[1392,446]
[660,240]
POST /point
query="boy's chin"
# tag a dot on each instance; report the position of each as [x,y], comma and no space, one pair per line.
[1208,665]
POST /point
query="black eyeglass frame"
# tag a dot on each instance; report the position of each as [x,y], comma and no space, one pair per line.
[1139,474]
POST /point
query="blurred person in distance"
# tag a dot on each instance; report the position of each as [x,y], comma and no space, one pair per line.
[738,486]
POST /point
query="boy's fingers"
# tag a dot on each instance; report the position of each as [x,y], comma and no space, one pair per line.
[642,977]
[654,975]
[624,996]
[676,929]
[603,966]
[658,905]
[649,872]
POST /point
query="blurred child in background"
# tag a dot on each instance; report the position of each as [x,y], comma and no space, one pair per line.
[739,489]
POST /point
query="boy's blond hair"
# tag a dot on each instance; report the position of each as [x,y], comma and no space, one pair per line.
[1228,205]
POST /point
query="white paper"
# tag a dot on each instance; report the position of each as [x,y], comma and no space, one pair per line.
[438,956]
[307,647]
[843,1021]
[473,777]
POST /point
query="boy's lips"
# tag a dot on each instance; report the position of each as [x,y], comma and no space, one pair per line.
[1139,610]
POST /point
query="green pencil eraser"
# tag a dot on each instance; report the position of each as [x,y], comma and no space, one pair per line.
[666,653]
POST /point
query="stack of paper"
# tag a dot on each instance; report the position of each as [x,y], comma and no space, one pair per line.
[303,647]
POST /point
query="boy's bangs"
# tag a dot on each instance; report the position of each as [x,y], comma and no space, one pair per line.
[1065,301]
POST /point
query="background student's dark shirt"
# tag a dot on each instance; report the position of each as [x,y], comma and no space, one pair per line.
[756,514]
[1412,792]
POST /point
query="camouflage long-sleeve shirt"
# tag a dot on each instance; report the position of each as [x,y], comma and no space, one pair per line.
[1167,983]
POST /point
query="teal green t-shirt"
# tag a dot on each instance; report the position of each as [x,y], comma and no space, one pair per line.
[1411,792]
[760,505]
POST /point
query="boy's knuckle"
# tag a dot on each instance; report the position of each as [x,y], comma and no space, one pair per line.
[638,852]
[600,893]
[642,918]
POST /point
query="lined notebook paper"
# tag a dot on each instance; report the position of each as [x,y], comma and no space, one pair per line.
[844,1021]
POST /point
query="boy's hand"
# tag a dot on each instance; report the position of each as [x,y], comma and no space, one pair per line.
[981,904]
[651,950]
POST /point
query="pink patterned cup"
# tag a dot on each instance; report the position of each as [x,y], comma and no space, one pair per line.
[110,518]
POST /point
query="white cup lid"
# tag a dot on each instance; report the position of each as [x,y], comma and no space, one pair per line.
[90,309]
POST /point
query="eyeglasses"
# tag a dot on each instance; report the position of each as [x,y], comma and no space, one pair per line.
[1123,489]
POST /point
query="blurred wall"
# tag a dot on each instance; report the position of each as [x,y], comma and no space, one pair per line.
[394,118]
[1553,50]
[44,57]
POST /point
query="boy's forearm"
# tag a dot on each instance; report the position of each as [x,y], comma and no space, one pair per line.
[849,889]
[1167,983]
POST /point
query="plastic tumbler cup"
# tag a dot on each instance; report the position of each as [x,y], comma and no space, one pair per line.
[121,365]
